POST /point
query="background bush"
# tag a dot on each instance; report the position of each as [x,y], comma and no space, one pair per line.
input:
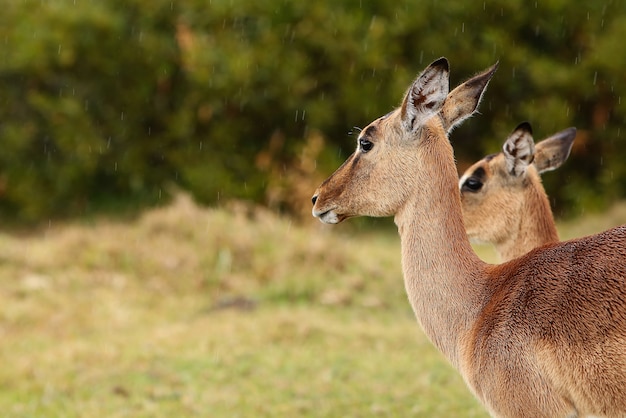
[115,102]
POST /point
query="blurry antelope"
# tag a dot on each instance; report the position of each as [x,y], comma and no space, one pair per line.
[503,200]
[543,335]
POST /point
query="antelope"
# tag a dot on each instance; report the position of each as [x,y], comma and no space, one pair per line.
[543,335]
[503,200]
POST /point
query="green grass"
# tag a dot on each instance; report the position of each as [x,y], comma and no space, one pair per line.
[231,312]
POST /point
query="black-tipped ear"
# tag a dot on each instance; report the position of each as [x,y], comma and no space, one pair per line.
[553,151]
[426,95]
[525,127]
[441,63]
[519,149]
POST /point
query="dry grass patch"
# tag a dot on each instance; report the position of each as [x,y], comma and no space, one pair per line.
[197,312]
[212,312]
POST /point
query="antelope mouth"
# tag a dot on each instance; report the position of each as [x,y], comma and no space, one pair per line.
[329,216]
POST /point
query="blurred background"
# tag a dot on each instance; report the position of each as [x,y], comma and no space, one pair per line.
[157,253]
[113,105]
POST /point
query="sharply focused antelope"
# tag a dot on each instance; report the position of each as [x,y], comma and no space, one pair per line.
[503,200]
[543,335]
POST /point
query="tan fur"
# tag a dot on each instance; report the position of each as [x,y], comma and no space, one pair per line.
[540,336]
[512,212]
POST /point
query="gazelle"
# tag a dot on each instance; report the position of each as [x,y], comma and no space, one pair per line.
[543,335]
[503,200]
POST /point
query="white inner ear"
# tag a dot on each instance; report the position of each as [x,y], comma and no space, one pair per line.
[425,98]
[519,151]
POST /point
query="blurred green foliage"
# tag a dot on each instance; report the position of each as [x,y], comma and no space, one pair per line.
[120,100]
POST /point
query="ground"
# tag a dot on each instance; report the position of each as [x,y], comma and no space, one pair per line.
[230,312]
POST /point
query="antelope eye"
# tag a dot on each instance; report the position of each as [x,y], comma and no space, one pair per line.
[365,144]
[472,184]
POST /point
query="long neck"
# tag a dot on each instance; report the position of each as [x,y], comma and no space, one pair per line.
[535,225]
[444,278]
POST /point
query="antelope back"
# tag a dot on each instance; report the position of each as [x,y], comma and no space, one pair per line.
[503,200]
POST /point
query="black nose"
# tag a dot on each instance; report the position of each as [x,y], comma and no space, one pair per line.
[314,199]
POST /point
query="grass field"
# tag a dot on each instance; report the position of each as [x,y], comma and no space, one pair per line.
[233,312]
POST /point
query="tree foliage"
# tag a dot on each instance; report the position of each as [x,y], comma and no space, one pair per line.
[120,100]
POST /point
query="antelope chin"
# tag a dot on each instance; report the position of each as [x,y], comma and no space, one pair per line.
[328,217]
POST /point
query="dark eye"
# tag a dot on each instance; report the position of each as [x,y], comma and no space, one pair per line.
[365,144]
[472,184]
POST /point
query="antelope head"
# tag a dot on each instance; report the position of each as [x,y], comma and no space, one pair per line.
[378,177]
[504,189]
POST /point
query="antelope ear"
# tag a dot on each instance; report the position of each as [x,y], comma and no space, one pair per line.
[553,151]
[519,149]
[463,101]
[426,95]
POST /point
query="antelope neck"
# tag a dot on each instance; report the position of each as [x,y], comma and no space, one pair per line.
[444,278]
[535,227]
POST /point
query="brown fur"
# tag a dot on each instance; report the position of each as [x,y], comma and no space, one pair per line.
[540,336]
[512,211]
